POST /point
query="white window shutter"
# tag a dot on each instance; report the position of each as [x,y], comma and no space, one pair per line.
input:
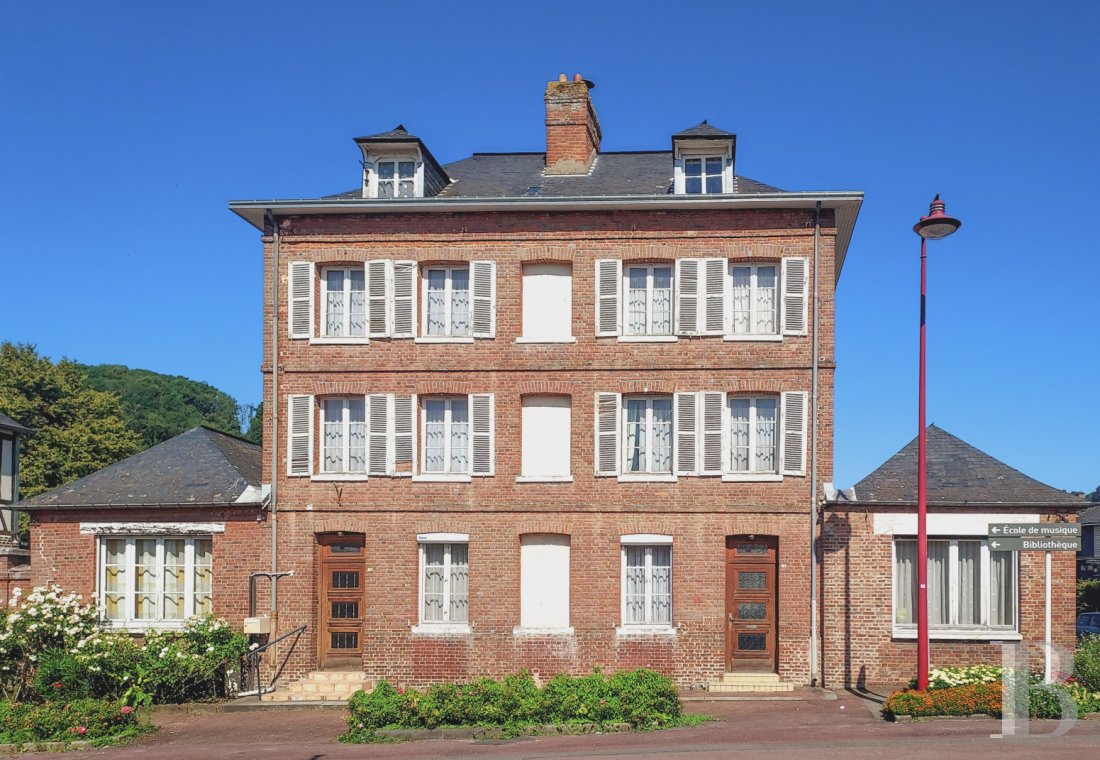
[607,433]
[300,299]
[686,428]
[713,449]
[482,434]
[795,285]
[609,285]
[299,448]
[793,452]
[712,296]
[378,458]
[404,430]
[377,301]
[483,287]
[404,299]
[687,296]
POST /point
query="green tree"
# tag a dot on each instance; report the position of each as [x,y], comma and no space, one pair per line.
[1094,496]
[77,429]
[253,416]
[159,407]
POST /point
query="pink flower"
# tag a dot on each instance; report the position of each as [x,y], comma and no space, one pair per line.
[80,730]
[127,710]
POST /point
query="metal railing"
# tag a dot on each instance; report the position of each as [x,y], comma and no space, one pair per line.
[251,679]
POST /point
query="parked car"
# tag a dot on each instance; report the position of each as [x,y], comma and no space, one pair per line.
[1088,623]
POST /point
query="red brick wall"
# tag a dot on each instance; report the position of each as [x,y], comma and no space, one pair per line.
[495,511]
[61,554]
[857,601]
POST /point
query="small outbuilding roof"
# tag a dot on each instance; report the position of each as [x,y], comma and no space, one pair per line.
[1089,516]
[7,423]
[201,467]
[958,475]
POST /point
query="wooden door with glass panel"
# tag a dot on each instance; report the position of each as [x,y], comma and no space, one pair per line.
[751,601]
[340,599]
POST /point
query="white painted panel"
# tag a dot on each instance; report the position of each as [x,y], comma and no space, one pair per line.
[443,538]
[960,524]
[546,435]
[7,467]
[151,528]
[544,581]
[548,301]
[646,539]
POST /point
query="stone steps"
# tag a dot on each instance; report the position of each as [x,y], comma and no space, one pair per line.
[749,683]
[322,686]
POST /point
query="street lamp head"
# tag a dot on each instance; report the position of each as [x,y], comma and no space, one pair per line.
[937,224]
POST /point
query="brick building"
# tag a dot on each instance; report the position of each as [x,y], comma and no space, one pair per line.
[550,410]
[977,597]
[13,553]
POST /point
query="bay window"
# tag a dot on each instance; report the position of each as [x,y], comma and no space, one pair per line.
[970,588]
[152,580]
[647,435]
[648,302]
[344,421]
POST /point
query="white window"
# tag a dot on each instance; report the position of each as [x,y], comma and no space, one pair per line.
[648,302]
[544,582]
[8,465]
[446,435]
[447,301]
[546,437]
[970,588]
[703,174]
[344,421]
[344,302]
[444,583]
[547,302]
[647,434]
[753,437]
[753,299]
[396,179]
[147,580]
[647,585]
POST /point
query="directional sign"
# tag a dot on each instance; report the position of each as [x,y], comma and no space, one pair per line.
[1031,530]
[1035,543]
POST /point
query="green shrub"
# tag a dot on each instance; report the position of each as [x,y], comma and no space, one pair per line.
[188,665]
[1086,663]
[642,698]
[81,719]
[1088,595]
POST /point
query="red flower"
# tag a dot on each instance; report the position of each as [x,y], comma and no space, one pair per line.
[127,710]
[56,685]
[80,730]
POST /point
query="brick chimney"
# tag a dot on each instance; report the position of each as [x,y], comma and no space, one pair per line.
[572,129]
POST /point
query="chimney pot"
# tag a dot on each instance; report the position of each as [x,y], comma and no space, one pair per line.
[563,78]
[578,78]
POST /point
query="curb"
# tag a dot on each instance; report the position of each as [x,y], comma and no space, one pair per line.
[976,716]
[214,708]
[491,734]
[18,749]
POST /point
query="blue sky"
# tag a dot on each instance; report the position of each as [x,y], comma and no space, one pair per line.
[127,126]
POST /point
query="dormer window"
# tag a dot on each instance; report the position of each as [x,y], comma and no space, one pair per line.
[703,175]
[396,179]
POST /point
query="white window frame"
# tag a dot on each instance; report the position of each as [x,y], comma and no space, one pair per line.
[345,427]
[750,474]
[426,474]
[777,307]
[445,626]
[648,627]
[648,335]
[702,150]
[953,631]
[446,337]
[374,179]
[346,337]
[129,622]
[648,473]
[702,158]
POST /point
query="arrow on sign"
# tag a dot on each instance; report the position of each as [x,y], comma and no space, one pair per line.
[994,529]
[995,544]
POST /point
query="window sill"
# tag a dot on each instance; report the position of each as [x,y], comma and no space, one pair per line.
[648,338]
[443,339]
[535,341]
[534,631]
[338,476]
[754,338]
[442,477]
[752,477]
[647,478]
[544,478]
[141,626]
[645,630]
[335,341]
[960,634]
[441,629]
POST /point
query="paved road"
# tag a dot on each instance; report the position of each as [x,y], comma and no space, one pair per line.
[842,729]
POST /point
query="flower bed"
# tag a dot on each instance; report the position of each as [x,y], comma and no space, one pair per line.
[95,720]
[640,698]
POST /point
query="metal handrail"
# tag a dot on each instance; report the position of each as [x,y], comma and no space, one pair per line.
[250,664]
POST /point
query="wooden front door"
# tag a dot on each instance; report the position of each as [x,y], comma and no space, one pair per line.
[340,601]
[751,601]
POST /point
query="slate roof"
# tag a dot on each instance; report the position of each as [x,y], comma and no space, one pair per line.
[10,424]
[202,467]
[397,134]
[702,129]
[515,175]
[958,474]
[1090,516]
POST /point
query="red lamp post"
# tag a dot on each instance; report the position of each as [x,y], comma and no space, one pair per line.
[936,226]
